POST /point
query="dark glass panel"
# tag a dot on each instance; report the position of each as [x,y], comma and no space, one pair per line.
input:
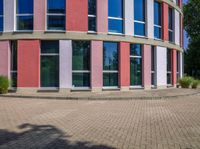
[115,8]
[92,24]
[92,7]
[50,47]
[169,78]
[81,79]
[56,6]
[157,32]
[152,78]
[25,23]
[81,55]
[1,7]
[157,13]
[49,71]
[14,79]
[115,26]
[56,22]
[13,54]
[110,56]
[110,79]
[170,19]
[139,29]
[1,24]
[139,10]
[136,50]
[153,58]
[136,71]
[169,60]
[170,36]
[24,6]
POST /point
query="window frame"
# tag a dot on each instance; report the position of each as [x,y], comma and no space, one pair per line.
[92,16]
[2,16]
[156,25]
[171,29]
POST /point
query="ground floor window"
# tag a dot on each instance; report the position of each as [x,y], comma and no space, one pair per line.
[178,66]
[110,64]
[49,64]
[153,64]
[81,63]
[13,53]
[169,66]
[136,64]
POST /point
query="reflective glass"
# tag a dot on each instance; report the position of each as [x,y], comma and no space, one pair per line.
[13,54]
[1,24]
[92,24]
[56,22]
[24,6]
[110,56]
[157,32]
[25,23]
[115,26]
[136,49]
[50,47]
[169,60]
[81,55]
[139,10]
[81,79]
[92,7]
[136,71]
[115,8]
[14,79]
[110,79]
[170,19]
[139,29]
[169,78]
[56,6]
[1,7]
[157,13]
[170,36]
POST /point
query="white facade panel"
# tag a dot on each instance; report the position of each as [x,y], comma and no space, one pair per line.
[161,66]
[129,17]
[9,15]
[177,28]
[65,64]
[150,19]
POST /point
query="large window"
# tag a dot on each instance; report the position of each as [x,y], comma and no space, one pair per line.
[92,15]
[157,20]
[136,64]
[171,25]
[56,15]
[139,17]
[13,66]
[1,15]
[81,63]
[24,13]
[115,16]
[110,64]
[153,66]
[49,64]
[169,66]
[178,66]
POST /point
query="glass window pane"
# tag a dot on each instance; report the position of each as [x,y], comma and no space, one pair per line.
[136,71]
[136,49]
[14,79]
[152,58]
[110,79]
[157,32]
[24,6]
[92,24]
[50,47]
[25,23]
[56,6]
[81,55]
[169,60]
[170,19]
[115,26]
[139,10]
[92,7]
[169,78]
[81,79]
[1,24]
[110,56]
[157,13]
[13,54]
[115,8]
[152,78]
[170,36]
[49,71]
[56,22]
[139,29]
[1,7]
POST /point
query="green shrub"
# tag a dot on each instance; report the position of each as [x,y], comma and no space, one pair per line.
[4,84]
[195,84]
[186,82]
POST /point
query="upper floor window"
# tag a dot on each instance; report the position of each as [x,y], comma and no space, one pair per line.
[115,16]
[92,15]
[170,25]
[157,20]
[139,17]
[1,15]
[56,15]
[24,13]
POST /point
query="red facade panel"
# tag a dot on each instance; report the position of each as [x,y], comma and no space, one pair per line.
[77,15]
[28,63]
[39,15]
[102,16]
[174,67]
[165,9]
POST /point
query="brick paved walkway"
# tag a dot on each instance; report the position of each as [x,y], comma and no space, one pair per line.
[100,124]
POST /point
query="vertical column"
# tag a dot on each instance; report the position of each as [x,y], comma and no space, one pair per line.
[177,28]
[96,65]
[181,32]
[5,58]
[77,15]
[102,16]
[174,67]
[28,64]
[146,66]
[9,15]
[39,15]
[129,25]
[124,66]
[150,20]
[180,3]
[165,10]
[65,65]
[161,67]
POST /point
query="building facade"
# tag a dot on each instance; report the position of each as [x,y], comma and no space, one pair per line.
[91,44]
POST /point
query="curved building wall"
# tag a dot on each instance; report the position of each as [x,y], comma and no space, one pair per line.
[91,44]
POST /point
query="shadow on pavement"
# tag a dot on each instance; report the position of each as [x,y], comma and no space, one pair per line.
[41,137]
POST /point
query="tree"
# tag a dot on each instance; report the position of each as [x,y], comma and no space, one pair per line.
[192,27]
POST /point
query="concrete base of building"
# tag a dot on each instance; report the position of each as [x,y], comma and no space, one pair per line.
[161,87]
[147,87]
[125,89]
[96,89]
[27,90]
[64,90]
